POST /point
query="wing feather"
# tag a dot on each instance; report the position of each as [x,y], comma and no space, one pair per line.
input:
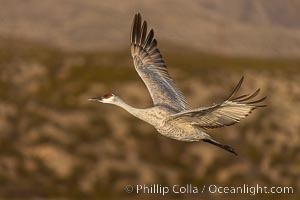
[150,66]
[227,113]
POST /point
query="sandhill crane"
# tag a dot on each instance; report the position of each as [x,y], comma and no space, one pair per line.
[171,114]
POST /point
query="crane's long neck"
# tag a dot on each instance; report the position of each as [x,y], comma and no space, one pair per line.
[139,113]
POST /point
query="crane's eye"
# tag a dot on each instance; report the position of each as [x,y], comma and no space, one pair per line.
[108,95]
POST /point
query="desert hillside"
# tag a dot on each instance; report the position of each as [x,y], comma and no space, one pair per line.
[55,144]
[231,27]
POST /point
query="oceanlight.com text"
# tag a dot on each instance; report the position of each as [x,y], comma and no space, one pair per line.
[212,188]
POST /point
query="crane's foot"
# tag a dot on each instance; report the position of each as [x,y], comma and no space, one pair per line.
[223,146]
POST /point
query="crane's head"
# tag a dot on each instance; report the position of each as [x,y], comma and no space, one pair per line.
[108,98]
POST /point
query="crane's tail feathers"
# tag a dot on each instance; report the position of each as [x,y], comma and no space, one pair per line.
[225,147]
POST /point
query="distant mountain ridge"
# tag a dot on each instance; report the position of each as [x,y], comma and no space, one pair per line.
[231,27]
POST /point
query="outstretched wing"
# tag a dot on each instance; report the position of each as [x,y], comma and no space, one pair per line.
[151,68]
[230,112]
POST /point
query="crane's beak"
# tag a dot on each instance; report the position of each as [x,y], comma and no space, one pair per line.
[96,99]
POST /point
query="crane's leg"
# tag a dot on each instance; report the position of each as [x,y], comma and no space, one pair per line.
[225,147]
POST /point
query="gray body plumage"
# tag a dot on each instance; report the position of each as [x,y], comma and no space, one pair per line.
[171,115]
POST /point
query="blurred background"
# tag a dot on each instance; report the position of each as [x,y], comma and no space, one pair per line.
[55,54]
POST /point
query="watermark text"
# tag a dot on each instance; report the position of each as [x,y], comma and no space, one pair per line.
[212,189]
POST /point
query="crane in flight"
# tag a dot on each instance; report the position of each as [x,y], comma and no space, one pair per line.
[171,114]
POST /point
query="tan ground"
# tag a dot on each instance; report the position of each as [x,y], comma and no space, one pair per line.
[56,144]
